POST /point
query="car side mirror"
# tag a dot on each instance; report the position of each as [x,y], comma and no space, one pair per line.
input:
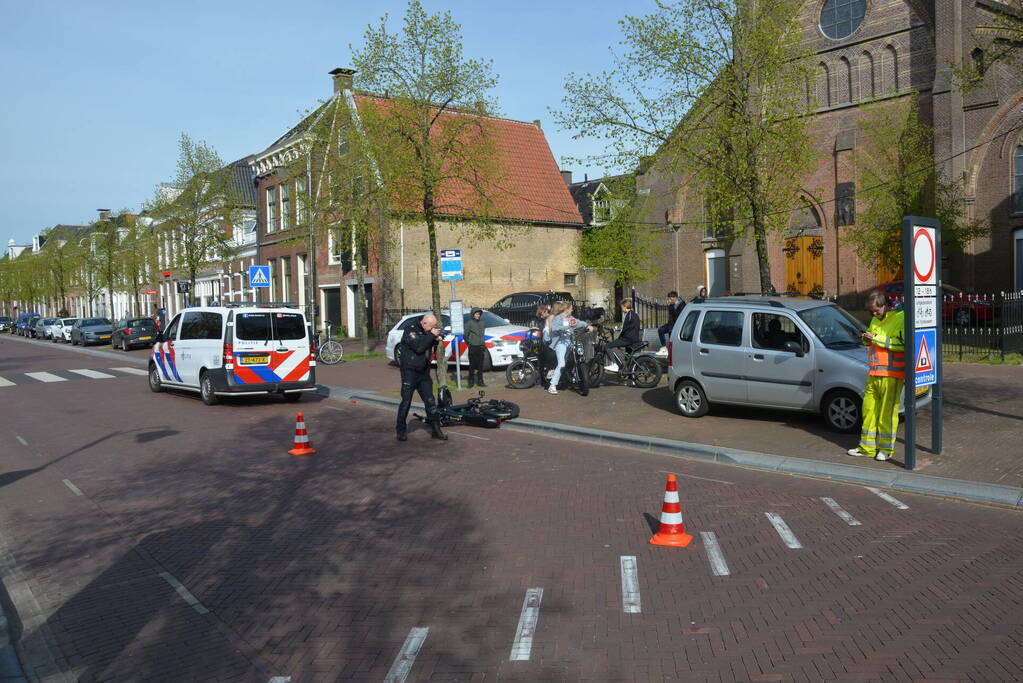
[793,347]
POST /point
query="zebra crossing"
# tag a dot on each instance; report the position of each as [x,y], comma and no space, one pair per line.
[54,376]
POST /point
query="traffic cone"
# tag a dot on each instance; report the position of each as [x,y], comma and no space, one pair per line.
[672,531]
[302,445]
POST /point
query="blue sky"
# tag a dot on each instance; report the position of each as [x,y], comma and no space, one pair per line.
[96,93]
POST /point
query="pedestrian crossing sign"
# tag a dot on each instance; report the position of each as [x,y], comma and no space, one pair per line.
[259,276]
[925,357]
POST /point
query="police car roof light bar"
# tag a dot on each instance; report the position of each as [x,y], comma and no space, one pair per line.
[259,304]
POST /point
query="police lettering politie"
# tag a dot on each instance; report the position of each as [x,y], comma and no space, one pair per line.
[416,346]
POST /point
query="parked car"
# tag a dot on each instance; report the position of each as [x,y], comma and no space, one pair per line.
[520,308]
[87,331]
[25,321]
[770,352]
[958,307]
[64,329]
[501,337]
[6,323]
[130,332]
[42,328]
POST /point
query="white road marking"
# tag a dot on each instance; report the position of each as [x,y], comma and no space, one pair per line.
[891,499]
[92,374]
[784,531]
[693,476]
[184,593]
[523,643]
[714,554]
[275,679]
[630,585]
[140,371]
[74,489]
[44,377]
[21,441]
[6,382]
[837,509]
[471,436]
[402,665]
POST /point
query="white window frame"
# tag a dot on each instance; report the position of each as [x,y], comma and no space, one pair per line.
[271,209]
[285,205]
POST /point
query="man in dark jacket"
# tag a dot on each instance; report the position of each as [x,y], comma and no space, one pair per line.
[630,334]
[475,339]
[674,308]
[416,345]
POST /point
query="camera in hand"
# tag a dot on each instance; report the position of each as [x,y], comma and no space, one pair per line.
[590,314]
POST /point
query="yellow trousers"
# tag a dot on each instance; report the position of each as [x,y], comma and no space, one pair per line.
[880,414]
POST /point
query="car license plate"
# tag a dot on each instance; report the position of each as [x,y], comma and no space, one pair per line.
[104,336]
[254,360]
[921,391]
[144,338]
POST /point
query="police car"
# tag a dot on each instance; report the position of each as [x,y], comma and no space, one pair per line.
[501,338]
[235,350]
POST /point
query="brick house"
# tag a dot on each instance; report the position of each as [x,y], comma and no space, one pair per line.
[869,51]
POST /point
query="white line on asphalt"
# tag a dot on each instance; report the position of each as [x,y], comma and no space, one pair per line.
[837,509]
[6,382]
[523,643]
[92,374]
[140,371]
[74,489]
[275,679]
[21,441]
[407,655]
[630,585]
[471,436]
[891,499]
[44,377]
[784,531]
[714,554]
[184,593]
[693,476]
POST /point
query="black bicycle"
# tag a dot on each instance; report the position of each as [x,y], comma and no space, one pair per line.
[524,372]
[643,371]
[476,412]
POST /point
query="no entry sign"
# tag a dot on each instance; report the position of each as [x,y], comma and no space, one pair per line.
[924,256]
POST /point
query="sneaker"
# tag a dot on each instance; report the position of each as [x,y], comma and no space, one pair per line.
[552,390]
[613,367]
[663,351]
[881,455]
[856,452]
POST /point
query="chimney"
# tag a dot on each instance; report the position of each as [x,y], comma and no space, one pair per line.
[104,214]
[342,79]
[567,177]
[536,122]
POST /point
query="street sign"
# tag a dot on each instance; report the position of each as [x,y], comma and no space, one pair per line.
[183,286]
[925,312]
[926,347]
[451,264]
[259,276]
[151,291]
[457,318]
[924,256]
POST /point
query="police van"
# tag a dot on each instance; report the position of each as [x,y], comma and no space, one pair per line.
[241,349]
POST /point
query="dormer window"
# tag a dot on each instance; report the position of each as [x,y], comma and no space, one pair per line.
[601,211]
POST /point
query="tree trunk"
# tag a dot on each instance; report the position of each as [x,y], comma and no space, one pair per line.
[431,231]
[760,236]
[360,274]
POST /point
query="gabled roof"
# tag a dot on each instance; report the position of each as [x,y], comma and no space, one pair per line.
[583,191]
[244,181]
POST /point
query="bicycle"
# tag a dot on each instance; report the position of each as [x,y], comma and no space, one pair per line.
[330,351]
[641,371]
[524,372]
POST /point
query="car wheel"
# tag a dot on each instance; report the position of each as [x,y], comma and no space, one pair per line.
[124,344]
[843,411]
[964,317]
[690,399]
[293,397]
[155,383]
[397,355]
[209,396]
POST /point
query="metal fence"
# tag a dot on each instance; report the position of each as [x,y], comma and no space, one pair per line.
[982,326]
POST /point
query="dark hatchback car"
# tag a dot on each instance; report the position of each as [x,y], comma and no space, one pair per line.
[520,308]
[6,323]
[91,331]
[129,332]
[26,324]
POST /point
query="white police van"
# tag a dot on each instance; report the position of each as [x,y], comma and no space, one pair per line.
[238,349]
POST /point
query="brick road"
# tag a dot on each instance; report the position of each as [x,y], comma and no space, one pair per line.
[317,568]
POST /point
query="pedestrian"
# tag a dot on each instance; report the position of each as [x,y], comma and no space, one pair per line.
[562,330]
[542,331]
[886,358]
[630,334]
[416,347]
[701,293]
[475,339]
[674,308]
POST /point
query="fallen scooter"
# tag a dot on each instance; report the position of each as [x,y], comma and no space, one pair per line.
[476,412]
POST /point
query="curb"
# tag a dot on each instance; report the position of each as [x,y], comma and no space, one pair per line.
[961,489]
[94,352]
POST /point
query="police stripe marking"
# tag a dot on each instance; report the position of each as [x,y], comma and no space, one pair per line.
[523,643]
[714,554]
[784,531]
[131,371]
[74,489]
[402,665]
[891,499]
[21,441]
[92,374]
[184,593]
[6,382]
[837,509]
[630,585]
[45,377]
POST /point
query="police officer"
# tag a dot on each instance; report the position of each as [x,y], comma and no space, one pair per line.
[417,343]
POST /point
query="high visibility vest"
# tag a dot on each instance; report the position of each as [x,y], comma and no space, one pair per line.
[886,354]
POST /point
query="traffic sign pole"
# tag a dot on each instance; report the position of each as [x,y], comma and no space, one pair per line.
[937,400]
[909,337]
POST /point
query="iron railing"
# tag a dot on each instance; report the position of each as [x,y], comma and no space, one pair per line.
[981,326]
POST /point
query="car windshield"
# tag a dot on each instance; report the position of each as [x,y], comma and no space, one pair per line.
[141,322]
[256,326]
[49,321]
[68,321]
[834,326]
[95,321]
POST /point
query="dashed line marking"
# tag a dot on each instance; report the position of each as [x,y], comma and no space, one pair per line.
[279,679]
[184,593]
[837,509]
[891,499]
[92,374]
[402,665]
[74,489]
[6,382]
[783,530]
[523,643]
[714,554]
[45,377]
[630,585]
[21,441]
[693,476]
[139,371]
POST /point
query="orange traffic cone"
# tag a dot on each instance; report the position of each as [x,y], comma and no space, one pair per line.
[302,445]
[672,531]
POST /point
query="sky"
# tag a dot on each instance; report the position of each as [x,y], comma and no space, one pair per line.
[96,94]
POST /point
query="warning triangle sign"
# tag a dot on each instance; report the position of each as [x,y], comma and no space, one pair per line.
[258,277]
[923,357]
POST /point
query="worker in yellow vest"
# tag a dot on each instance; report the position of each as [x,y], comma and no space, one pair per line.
[886,358]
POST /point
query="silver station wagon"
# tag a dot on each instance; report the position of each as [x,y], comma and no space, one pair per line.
[770,352]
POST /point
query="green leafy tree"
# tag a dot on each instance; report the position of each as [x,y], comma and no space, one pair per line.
[898,177]
[60,257]
[107,246]
[7,287]
[90,268]
[138,257]
[615,242]
[712,90]
[999,41]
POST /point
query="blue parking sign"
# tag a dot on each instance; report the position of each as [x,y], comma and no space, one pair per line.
[925,357]
[451,264]
[259,276]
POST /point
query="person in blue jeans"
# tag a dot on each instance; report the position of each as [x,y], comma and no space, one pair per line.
[562,330]
[674,308]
